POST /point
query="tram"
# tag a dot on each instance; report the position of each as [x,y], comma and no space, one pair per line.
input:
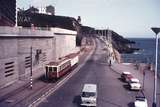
[55,70]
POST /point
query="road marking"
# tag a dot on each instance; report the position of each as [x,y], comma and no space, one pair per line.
[52,90]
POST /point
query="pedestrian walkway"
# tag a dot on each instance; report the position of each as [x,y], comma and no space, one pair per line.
[5,91]
[137,73]
[121,67]
[130,67]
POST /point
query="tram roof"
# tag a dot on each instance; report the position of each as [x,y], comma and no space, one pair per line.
[66,58]
[56,63]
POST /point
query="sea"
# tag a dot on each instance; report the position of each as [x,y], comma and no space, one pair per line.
[146,54]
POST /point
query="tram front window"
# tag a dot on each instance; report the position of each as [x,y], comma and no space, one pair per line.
[54,68]
[50,69]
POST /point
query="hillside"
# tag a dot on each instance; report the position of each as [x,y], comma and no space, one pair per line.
[121,44]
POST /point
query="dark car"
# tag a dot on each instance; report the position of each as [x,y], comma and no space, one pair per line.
[126,76]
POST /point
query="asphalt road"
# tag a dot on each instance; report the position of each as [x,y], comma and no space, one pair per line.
[112,92]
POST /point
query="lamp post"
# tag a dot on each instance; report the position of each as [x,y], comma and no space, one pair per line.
[143,77]
[156,30]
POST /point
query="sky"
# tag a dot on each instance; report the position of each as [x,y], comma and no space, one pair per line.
[129,18]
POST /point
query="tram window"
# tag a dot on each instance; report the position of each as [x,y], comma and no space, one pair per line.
[50,69]
[63,66]
[55,69]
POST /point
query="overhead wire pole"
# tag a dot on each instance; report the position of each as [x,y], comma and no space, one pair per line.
[156,30]
[109,53]
[108,35]
[31,80]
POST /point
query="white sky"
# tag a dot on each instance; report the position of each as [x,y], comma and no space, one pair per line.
[130,18]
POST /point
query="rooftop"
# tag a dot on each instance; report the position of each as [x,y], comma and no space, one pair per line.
[89,88]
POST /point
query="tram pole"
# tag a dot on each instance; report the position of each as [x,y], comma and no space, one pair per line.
[31,80]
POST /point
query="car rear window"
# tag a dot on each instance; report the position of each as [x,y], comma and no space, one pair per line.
[88,94]
[140,98]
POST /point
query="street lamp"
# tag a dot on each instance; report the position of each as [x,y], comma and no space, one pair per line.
[143,77]
[156,30]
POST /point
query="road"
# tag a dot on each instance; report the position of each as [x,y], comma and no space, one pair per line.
[111,91]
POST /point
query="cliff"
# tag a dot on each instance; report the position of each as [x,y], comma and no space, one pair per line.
[121,44]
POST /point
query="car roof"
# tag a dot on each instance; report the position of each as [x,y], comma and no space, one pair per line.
[89,88]
[134,80]
[129,76]
[140,98]
[125,72]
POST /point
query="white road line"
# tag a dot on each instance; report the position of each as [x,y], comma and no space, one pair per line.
[52,90]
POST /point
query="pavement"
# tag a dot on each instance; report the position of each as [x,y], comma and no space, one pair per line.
[130,67]
[138,73]
[5,91]
[121,67]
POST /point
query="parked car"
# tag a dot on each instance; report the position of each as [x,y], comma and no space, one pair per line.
[126,76]
[140,102]
[89,95]
[134,84]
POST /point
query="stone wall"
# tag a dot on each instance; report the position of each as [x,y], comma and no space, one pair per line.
[65,42]
[42,53]
[8,61]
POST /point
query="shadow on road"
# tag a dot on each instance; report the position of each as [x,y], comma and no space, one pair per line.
[77,100]
[44,79]
[120,79]
[90,61]
[131,104]
[126,86]
[111,103]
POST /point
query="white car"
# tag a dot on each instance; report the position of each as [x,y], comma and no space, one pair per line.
[134,84]
[140,102]
[89,95]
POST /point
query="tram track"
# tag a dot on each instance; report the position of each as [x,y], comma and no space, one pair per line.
[33,95]
[24,94]
[13,93]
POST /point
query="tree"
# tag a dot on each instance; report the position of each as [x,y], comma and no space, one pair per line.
[50,9]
